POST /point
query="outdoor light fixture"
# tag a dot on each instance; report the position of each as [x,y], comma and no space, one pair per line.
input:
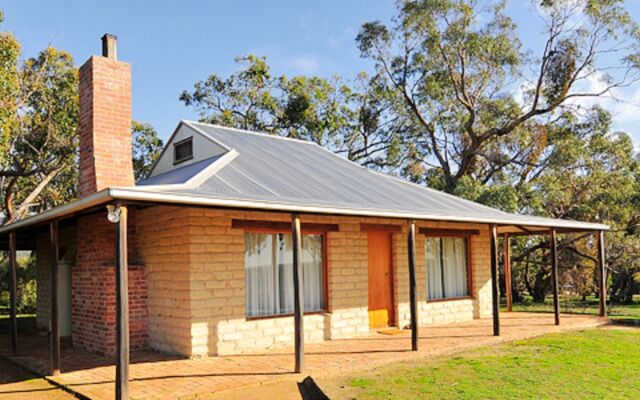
[113,213]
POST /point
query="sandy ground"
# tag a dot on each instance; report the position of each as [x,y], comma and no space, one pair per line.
[284,390]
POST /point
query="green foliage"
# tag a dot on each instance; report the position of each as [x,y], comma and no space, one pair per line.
[9,52]
[39,128]
[147,147]
[628,313]
[593,176]
[354,120]
[26,300]
[453,64]
[38,131]
[443,109]
[243,100]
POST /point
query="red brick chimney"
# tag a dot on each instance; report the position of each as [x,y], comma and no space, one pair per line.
[105,122]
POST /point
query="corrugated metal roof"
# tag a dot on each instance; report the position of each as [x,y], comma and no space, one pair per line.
[179,175]
[275,170]
[265,172]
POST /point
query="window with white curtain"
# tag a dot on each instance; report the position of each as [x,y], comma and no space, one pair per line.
[446,264]
[268,264]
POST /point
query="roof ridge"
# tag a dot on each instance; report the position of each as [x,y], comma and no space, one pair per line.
[207,136]
[255,133]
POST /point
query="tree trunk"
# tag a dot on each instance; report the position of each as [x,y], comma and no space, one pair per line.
[540,286]
[526,279]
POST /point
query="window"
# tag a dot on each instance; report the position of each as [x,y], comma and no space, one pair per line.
[446,259]
[183,151]
[269,273]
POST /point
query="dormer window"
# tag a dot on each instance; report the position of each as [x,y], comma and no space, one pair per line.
[183,151]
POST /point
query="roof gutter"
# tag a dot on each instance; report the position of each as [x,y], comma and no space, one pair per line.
[141,195]
[66,210]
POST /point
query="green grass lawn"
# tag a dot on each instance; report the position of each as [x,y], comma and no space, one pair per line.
[628,312]
[19,316]
[591,364]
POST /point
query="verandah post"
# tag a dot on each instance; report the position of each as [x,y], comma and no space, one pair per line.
[506,244]
[554,276]
[13,284]
[122,303]
[495,294]
[411,250]
[55,325]
[298,295]
[602,275]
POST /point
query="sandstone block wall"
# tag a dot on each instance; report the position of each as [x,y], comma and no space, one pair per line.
[195,273]
[164,244]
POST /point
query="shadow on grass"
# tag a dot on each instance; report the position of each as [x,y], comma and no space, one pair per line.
[622,321]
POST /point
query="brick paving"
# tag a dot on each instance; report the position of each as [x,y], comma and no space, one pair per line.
[157,376]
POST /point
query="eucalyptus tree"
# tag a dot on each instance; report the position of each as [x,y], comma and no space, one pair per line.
[39,103]
[590,173]
[147,147]
[458,66]
[38,131]
[458,103]
[354,118]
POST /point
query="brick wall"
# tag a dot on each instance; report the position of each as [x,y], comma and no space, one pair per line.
[93,288]
[104,125]
[93,283]
[195,264]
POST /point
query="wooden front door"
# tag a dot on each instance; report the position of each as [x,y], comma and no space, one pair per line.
[381,311]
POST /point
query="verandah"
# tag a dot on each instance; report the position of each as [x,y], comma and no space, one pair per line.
[118,215]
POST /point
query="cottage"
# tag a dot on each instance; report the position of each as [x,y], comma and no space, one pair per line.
[239,242]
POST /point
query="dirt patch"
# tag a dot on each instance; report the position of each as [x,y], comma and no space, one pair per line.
[18,384]
[284,390]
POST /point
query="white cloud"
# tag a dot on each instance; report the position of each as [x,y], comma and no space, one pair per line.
[622,103]
[284,61]
[305,63]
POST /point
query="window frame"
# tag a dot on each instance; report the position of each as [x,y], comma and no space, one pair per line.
[451,233]
[325,272]
[177,161]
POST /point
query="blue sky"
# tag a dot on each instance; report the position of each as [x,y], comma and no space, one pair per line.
[172,44]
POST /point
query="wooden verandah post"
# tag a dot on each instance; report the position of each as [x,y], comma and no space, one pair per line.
[602,275]
[55,325]
[495,294]
[122,302]
[554,275]
[298,295]
[13,284]
[411,250]
[506,244]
